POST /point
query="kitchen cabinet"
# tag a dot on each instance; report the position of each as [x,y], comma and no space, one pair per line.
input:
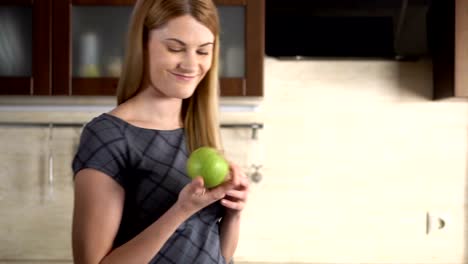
[359,192]
[25,47]
[89,44]
[36,195]
[450,54]
[88,37]
[372,223]
[349,229]
[461,48]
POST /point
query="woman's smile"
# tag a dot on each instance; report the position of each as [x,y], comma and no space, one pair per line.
[184,77]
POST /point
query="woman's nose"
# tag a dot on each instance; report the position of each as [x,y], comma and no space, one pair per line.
[189,62]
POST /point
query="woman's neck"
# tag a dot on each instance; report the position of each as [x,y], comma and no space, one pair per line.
[151,108]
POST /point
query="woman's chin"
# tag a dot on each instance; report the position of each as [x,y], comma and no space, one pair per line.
[183,93]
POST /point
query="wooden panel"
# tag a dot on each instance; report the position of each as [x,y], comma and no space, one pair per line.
[61,45]
[16,86]
[107,86]
[441,23]
[42,48]
[255,46]
[94,86]
[26,190]
[232,87]
[41,64]
[461,48]
[103,2]
[16,2]
[62,77]
[230,2]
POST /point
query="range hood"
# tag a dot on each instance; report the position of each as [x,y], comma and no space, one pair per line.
[343,28]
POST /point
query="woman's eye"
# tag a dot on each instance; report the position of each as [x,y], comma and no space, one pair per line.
[203,52]
[175,50]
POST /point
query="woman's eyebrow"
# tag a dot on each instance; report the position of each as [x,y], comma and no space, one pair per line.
[184,44]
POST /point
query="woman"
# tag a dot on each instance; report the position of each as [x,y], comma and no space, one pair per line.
[133,200]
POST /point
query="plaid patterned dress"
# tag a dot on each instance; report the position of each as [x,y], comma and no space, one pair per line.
[150,166]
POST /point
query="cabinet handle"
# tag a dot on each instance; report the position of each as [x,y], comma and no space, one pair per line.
[51,156]
[51,170]
[430,222]
[441,223]
[427,223]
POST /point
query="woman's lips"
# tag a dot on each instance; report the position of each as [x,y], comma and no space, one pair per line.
[183,76]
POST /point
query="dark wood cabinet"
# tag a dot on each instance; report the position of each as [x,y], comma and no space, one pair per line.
[78,45]
[461,48]
[72,46]
[251,84]
[25,64]
[449,20]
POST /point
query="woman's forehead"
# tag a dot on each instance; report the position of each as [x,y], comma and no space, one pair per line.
[186,29]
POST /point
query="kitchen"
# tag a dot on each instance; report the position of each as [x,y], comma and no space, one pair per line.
[358,161]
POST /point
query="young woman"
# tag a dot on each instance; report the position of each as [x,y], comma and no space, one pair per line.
[133,200]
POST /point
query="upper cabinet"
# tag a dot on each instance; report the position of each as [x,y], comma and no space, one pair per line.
[461,48]
[449,21]
[78,45]
[88,45]
[25,47]
[242,46]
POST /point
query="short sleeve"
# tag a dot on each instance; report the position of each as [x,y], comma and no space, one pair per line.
[102,147]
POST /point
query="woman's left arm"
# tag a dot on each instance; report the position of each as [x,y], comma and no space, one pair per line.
[234,201]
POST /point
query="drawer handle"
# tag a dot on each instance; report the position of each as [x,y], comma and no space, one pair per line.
[430,222]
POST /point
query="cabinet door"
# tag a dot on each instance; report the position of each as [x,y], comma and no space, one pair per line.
[89,40]
[336,203]
[348,224]
[88,60]
[25,48]
[242,47]
[36,195]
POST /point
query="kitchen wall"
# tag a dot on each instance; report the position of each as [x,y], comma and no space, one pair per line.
[355,157]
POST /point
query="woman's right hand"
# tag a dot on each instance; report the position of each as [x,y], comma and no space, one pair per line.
[194,196]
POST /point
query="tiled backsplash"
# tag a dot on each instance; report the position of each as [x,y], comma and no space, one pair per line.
[351,150]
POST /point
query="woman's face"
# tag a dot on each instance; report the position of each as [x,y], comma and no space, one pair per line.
[179,56]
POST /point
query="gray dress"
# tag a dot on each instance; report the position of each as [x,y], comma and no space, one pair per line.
[150,165]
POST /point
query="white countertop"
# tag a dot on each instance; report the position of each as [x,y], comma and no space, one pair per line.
[65,109]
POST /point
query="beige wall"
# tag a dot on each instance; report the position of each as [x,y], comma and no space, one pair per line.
[354,155]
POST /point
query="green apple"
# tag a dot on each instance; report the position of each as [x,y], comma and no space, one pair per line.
[208,163]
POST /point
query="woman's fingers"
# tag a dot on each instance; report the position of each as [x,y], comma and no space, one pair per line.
[239,195]
[236,174]
[217,193]
[244,182]
[232,193]
[236,198]
[238,205]
[197,186]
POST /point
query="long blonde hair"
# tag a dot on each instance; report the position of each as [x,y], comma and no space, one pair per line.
[200,111]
